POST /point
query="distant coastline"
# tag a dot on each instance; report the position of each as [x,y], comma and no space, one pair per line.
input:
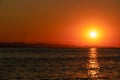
[37,45]
[44,45]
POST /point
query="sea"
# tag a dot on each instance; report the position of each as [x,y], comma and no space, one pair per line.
[59,64]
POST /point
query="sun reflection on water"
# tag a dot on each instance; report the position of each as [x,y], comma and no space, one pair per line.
[93,65]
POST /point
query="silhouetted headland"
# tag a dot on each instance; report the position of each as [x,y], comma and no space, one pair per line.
[37,45]
[44,45]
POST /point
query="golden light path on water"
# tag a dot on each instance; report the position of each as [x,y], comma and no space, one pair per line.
[93,65]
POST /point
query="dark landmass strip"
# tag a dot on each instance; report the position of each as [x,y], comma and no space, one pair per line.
[45,45]
[38,45]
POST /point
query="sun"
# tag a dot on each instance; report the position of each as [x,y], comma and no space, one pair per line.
[93,34]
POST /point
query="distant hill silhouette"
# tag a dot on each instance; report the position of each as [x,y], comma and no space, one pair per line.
[44,45]
[26,45]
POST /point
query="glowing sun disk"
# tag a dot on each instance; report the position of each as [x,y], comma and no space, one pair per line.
[93,34]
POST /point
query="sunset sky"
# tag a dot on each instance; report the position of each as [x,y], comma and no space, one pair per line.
[67,22]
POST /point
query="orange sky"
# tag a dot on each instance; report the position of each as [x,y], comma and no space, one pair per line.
[60,21]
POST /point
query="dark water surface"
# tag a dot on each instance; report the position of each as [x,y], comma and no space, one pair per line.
[60,64]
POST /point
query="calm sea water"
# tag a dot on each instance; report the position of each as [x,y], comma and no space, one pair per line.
[59,64]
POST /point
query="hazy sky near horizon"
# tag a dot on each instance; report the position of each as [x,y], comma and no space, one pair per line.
[59,21]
